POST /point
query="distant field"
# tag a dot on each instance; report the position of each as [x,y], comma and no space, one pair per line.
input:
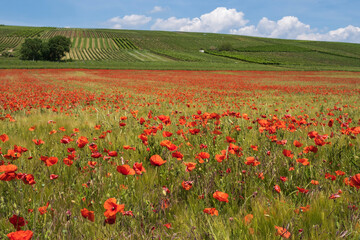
[109,48]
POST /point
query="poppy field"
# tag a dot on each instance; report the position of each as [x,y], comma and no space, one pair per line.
[150,154]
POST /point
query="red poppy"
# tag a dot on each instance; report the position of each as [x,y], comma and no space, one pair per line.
[49,161]
[303,161]
[277,188]
[211,211]
[248,218]
[43,209]
[221,196]
[167,225]
[68,161]
[8,168]
[187,185]
[53,176]
[314,182]
[20,235]
[302,190]
[4,138]
[112,207]
[355,181]
[178,155]
[288,153]
[125,170]
[252,161]
[88,214]
[166,134]
[283,232]
[18,222]
[190,166]
[82,141]
[297,143]
[139,169]
[156,160]
[38,141]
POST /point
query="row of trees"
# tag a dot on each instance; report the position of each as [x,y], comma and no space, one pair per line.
[52,50]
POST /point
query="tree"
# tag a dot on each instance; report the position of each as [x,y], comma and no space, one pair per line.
[31,49]
[226,47]
[56,48]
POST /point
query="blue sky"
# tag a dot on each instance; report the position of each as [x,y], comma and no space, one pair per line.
[330,20]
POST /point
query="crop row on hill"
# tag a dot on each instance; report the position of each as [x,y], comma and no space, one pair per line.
[124,43]
[241,57]
[93,43]
[108,54]
[9,42]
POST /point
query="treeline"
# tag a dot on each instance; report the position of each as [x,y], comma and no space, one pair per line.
[53,50]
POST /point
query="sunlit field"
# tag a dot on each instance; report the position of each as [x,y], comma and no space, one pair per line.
[132,154]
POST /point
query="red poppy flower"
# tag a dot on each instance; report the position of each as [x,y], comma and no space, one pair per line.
[38,141]
[156,160]
[283,232]
[53,176]
[297,143]
[277,188]
[82,141]
[211,211]
[190,166]
[187,185]
[49,161]
[167,225]
[18,222]
[112,207]
[8,168]
[355,181]
[20,235]
[288,153]
[178,155]
[88,214]
[303,161]
[166,134]
[4,138]
[221,196]
[125,170]
[43,209]
[248,218]
[252,161]
[139,169]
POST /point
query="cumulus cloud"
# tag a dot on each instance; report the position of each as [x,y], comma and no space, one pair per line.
[287,27]
[347,34]
[291,27]
[157,9]
[129,21]
[219,20]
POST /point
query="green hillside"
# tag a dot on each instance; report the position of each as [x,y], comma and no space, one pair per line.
[108,48]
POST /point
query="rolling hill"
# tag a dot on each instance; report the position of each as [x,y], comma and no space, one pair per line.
[108,48]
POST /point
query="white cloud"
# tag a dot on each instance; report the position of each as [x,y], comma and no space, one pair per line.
[347,34]
[157,9]
[287,27]
[291,27]
[129,21]
[219,20]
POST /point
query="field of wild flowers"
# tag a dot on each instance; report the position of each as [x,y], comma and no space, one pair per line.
[131,154]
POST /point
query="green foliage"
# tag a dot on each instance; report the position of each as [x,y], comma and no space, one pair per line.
[57,47]
[31,49]
[226,47]
[53,50]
